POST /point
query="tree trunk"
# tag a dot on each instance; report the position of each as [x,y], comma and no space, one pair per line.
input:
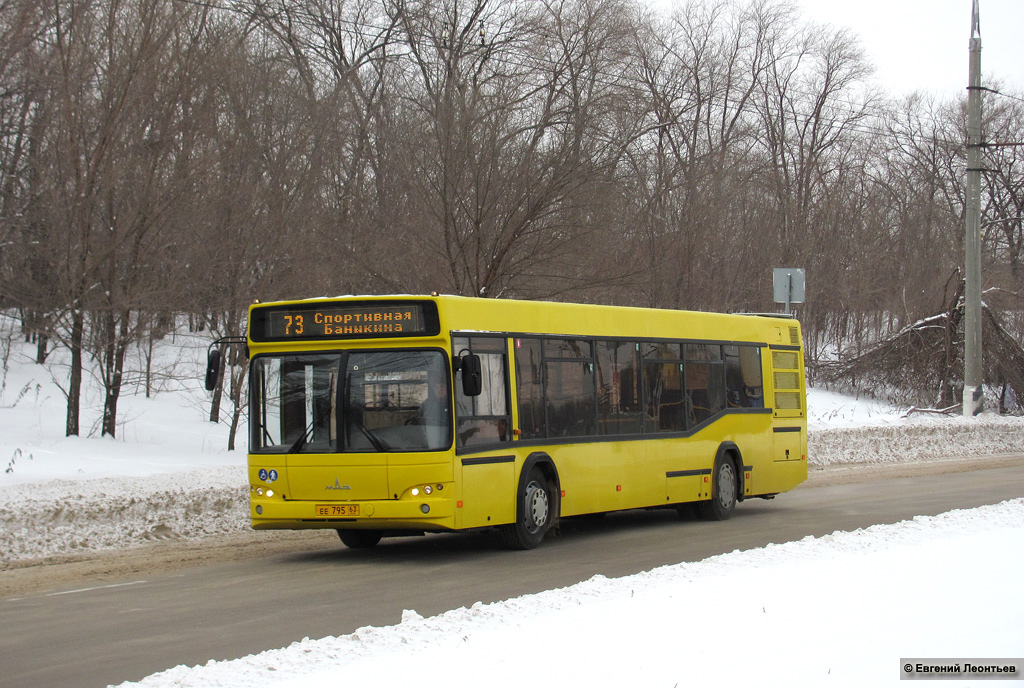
[75,383]
[237,380]
[115,371]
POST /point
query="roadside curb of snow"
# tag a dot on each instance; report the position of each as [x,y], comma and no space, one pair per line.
[71,516]
[916,440]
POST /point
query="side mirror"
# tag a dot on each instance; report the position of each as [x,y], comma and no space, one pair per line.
[472,380]
[212,368]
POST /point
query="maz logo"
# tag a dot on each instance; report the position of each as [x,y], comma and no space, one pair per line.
[338,486]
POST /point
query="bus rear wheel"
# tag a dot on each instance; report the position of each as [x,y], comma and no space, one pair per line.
[723,491]
[359,539]
[534,513]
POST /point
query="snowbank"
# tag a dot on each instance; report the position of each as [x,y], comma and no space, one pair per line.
[775,609]
[916,440]
[69,516]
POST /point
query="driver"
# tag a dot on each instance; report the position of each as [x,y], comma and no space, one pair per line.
[436,408]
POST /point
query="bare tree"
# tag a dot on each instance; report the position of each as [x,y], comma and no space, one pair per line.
[252,229]
[24,278]
[105,165]
[693,154]
[511,120]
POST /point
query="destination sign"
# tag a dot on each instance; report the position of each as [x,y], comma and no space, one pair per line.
[352,320]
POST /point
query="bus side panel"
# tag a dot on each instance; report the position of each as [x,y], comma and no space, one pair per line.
[488,494]
[684,467]
[789,460]
[788,443]
[611,476]
[686,486]
[784,476]
[752,435]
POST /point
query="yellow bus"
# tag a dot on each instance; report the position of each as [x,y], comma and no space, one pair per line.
[379,416]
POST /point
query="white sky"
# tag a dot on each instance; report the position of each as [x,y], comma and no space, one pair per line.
[922,44]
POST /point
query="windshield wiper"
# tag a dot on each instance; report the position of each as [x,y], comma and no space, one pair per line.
[303,438]
[308,432]
[356,420]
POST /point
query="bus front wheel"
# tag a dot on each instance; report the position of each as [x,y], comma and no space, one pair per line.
[535,507]
[723,491]
[359,539]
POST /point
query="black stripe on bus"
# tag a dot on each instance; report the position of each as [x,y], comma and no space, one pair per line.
[632,437]
[484,460]
[789,429]
[784,347]
[687,474]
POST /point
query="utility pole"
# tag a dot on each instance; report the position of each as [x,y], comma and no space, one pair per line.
[973,402]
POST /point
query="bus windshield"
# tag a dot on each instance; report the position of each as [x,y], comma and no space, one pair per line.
[351,401]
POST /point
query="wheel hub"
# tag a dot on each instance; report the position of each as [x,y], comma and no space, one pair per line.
[536,505]
[726,485]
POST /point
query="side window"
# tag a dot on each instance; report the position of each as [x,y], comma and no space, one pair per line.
[664,408]
[743,384]
[555,379]
[705,381]
[618,388]
[530,387]
[483,419]
[569,399]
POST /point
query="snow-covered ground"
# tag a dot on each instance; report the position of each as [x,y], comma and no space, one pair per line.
[795,621]
[846,609]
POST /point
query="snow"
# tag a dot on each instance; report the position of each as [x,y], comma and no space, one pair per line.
[820,610]
[168,474]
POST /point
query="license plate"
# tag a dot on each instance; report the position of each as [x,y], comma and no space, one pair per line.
[337,510]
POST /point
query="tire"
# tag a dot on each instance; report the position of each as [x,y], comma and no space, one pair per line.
[536,505]
[724,484]
[359,539]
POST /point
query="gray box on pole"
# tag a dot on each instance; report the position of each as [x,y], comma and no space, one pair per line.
[788,285]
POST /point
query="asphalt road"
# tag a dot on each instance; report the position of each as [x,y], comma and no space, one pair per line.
[124,631]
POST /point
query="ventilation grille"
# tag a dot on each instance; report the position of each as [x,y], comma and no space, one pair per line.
[786,380]
[787,401]
[786,360]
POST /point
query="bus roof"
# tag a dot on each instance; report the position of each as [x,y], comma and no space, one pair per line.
[465,314]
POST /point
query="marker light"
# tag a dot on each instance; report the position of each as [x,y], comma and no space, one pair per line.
[425,508]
